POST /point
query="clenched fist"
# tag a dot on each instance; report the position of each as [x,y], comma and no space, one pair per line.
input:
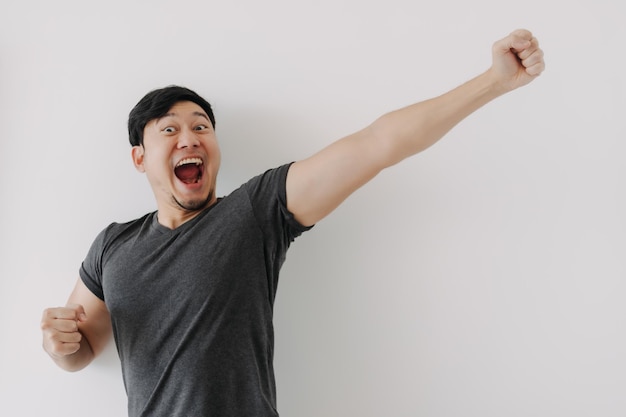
[517,59]
[61,330]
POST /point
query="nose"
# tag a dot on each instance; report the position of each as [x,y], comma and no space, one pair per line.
[187,139]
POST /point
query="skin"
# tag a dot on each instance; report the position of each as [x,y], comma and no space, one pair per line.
[75,334]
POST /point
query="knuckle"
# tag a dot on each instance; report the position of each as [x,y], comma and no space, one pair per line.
[54,347]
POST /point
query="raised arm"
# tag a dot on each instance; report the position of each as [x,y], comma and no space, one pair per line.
[317,185]
[75,334]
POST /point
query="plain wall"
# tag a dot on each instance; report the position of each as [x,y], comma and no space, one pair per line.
[482,277]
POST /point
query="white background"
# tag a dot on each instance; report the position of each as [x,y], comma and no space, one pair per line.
[483,277]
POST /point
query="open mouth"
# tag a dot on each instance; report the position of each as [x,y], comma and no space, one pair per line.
[189,170]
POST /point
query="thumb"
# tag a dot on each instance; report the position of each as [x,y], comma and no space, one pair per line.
[516,42]
[81,315]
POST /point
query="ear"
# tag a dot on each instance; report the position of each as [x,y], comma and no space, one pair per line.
[137,154]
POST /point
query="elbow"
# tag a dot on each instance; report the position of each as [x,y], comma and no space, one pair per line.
[389,145]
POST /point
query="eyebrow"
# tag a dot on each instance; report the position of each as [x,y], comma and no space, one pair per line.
[196,113]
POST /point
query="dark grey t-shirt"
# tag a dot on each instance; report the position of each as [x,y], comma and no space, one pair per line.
[191,308]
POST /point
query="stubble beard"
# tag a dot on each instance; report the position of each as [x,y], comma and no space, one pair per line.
[194,205]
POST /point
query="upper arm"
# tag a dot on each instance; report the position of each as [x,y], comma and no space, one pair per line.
[320,183]
[97,329]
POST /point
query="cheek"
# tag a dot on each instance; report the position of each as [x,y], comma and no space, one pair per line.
[215,152]
[155,165]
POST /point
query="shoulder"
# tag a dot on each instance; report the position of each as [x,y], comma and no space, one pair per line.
[272,180]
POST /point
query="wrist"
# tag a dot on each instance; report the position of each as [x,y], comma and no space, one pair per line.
[494,83]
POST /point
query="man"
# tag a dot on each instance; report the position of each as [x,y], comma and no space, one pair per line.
[188,291]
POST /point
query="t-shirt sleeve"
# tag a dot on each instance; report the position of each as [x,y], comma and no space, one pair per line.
[91,269]
[268,196]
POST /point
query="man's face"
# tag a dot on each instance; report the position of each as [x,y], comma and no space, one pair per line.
[180,157]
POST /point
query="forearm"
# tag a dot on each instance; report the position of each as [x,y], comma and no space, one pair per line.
[412,129]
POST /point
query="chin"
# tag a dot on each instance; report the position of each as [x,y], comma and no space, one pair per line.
[194,204]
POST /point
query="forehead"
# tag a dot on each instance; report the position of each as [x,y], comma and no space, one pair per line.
[184,110]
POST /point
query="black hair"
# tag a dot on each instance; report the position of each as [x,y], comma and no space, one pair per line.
[156,104]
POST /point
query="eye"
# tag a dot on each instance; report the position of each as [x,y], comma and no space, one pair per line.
[201,127]
[168,129]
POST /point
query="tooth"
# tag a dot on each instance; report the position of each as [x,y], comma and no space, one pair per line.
[196,161]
